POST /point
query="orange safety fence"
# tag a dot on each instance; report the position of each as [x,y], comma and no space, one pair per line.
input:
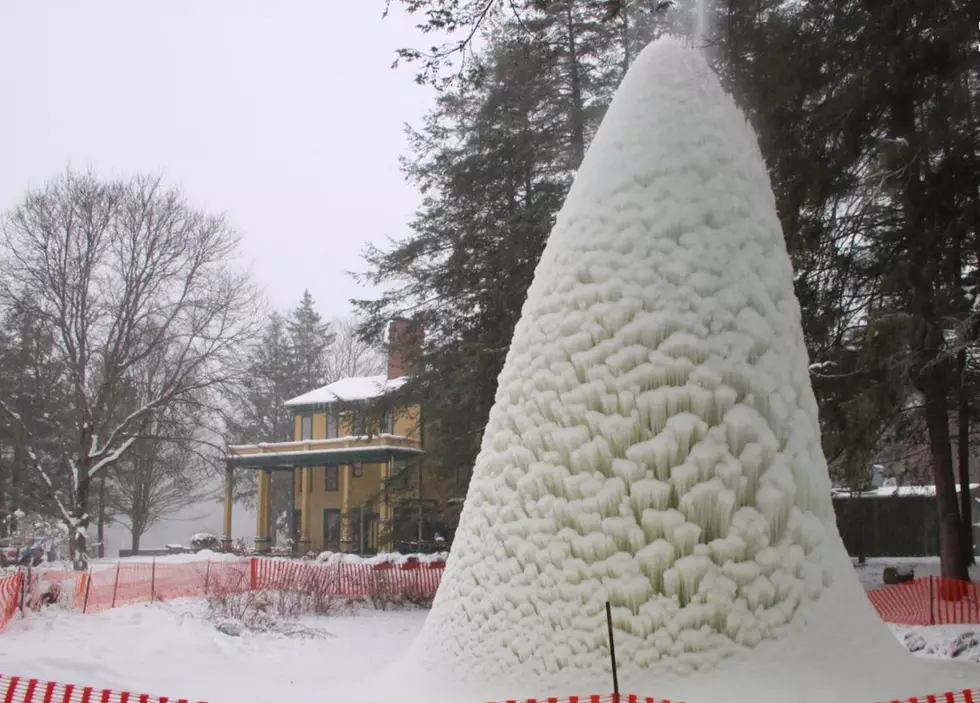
[129,583]
[925,601]
[967,696]
[412,578]
[10,594]
[928,601]
[18,689]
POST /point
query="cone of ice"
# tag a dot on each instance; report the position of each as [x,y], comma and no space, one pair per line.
[654,443]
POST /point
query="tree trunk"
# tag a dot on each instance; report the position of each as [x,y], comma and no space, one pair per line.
[951,552]
[80,519]
[625,12]
[577,112]
[135,542]
[101,523]
[963,456]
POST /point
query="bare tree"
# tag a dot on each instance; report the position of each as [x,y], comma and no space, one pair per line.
[157,478]
[349,355]
[169,467]
[122,271]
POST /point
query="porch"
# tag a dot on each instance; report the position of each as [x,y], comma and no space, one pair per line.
[338,458]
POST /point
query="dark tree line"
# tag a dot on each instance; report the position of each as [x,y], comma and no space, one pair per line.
[867,117]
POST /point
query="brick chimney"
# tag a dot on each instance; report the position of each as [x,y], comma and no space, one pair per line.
[405,338]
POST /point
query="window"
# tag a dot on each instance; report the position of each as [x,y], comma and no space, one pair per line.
[331,528]
[332,424]
[356,469]
[389,422]
[358,423]
[306,427]
[333,478]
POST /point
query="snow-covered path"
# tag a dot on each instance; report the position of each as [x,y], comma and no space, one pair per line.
[169,649]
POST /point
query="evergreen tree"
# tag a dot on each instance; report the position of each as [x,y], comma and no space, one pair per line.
[309,341]
[290,359]
[493,160]
[32,380]
[259,413]
[867,120]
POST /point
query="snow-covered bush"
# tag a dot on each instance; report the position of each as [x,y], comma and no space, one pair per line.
[267,611]
[205,540]
[37,538]
[311,592]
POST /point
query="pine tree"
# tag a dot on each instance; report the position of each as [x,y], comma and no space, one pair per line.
[259,412]
[32,381]
[493,160]
[291,359]
[309,341]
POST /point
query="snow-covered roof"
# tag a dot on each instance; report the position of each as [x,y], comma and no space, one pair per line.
[349,389]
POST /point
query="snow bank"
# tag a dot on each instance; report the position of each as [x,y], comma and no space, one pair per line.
[170,649]
[388,558]
[203,555]
[654,443]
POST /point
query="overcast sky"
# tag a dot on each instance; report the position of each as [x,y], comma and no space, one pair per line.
[285,115]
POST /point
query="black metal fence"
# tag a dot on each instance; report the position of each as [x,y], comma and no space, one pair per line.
[880,526]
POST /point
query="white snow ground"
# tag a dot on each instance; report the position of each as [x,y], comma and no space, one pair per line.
[170,649]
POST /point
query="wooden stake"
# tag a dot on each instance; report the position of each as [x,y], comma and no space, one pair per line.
[612,652]
[23,588]
[207,578]
[115,586]
[88,586]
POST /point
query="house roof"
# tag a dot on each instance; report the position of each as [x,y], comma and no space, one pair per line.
[349,389]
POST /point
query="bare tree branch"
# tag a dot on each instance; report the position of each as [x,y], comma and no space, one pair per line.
[138,289]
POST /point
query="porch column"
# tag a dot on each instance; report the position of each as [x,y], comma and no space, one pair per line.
[229,495]
[384,509]
[346,542]
[304,515]
[262,512]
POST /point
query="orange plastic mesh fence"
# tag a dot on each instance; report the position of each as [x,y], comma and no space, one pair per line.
[966,696]
[128,583]
[17,689]
[924,601]
[10,590]
[928,601]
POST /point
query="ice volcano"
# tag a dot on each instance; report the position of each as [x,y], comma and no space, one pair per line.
[655,443]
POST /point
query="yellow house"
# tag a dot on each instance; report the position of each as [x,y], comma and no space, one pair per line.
[352,439]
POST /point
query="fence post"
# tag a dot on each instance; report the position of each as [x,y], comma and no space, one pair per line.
[255,574]
[153,580]
[932,602]
[612,652]
[23,588]
[115,586]
[88,585]
[207,578]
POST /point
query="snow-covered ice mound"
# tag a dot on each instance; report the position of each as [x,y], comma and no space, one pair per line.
[654,443]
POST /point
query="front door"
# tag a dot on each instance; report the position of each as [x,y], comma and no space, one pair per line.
[370,522]
[331,530]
